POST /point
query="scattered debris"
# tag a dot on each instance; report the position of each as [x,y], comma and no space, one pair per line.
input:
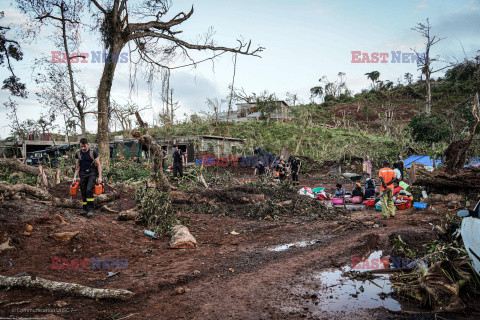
[182,238]
[64,236]
[178,291]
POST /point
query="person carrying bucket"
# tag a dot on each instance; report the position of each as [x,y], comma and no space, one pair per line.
[88,168]
[387,178]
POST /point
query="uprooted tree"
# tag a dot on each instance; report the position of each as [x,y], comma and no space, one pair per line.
[141,27]
[454,175]
[456,152]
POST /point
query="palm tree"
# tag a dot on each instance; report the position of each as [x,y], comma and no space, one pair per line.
[374,75]
[317,92]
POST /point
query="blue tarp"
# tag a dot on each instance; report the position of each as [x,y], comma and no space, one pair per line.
[425,160]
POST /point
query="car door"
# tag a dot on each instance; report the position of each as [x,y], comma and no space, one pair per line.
[471,237]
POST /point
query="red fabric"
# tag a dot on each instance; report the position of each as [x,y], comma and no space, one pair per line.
[397,190]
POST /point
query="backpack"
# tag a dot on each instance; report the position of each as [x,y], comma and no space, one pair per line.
[90,151]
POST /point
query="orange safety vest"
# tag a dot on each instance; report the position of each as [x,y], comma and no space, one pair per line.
[388,175]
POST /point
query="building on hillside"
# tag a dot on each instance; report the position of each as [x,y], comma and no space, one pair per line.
[251,111]
[195,146]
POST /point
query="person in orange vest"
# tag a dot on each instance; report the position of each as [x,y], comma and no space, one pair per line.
[89,169]
[387,178]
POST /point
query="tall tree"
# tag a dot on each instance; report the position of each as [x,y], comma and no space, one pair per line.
[373,76]
[424,60]
[10,50]
[143,28]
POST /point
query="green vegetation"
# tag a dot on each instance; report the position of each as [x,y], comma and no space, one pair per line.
[124,170]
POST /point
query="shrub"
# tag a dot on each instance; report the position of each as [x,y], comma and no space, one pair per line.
[430,128]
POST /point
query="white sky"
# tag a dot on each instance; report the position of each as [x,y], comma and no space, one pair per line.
[304,40]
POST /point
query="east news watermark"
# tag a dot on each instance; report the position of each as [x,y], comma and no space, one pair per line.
[59,263]
[386,57]
[387,263]
[89,57]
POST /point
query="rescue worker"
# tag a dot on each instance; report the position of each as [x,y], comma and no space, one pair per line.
[89,170]
[282,174]
[295,165]
[178,161]
[387,178]
[259,168]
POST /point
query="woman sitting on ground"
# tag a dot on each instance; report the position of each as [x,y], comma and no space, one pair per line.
[357,191]
[339,192]
[369,189]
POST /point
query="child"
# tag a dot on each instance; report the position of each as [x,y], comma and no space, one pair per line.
[339,192]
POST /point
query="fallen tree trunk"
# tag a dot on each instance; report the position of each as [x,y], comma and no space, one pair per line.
[65,287]
[16,165]
[468,178]
[8,190]
[158,155]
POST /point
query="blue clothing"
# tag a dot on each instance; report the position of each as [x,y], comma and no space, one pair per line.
[86,162]
[339,193]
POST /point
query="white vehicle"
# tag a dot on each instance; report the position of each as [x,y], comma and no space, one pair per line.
[471,234]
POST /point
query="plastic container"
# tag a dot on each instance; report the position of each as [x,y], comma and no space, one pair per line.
[74,188]
[369,202]
[150,233]
[337,200]
[403,203]
[420,205]
[378,207]
[99,189]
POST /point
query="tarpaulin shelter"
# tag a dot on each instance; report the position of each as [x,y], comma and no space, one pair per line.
[130,149]
[425,160]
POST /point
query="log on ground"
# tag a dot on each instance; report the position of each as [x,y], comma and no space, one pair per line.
[468,178]
[64,287]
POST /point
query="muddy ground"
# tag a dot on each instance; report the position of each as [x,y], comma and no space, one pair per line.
[229,276]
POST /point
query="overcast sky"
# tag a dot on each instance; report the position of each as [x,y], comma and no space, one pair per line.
[304,40]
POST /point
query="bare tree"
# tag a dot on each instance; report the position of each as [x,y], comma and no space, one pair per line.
[153,39]
[125,114]
[424,61]
[214,105]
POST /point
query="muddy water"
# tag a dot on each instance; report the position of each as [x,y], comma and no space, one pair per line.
[299,244]
[342,295]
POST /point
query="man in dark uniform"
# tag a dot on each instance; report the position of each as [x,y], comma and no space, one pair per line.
[282,174]
[260,168]
[295,165]
[178,160]
[88,168]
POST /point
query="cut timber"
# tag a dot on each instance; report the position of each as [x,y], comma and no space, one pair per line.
[16,165]
[65,287]
[468,178]
[182,238]
[7,190]
[64,236]
[131,214]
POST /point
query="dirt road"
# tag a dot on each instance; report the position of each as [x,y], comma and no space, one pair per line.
[248,275]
